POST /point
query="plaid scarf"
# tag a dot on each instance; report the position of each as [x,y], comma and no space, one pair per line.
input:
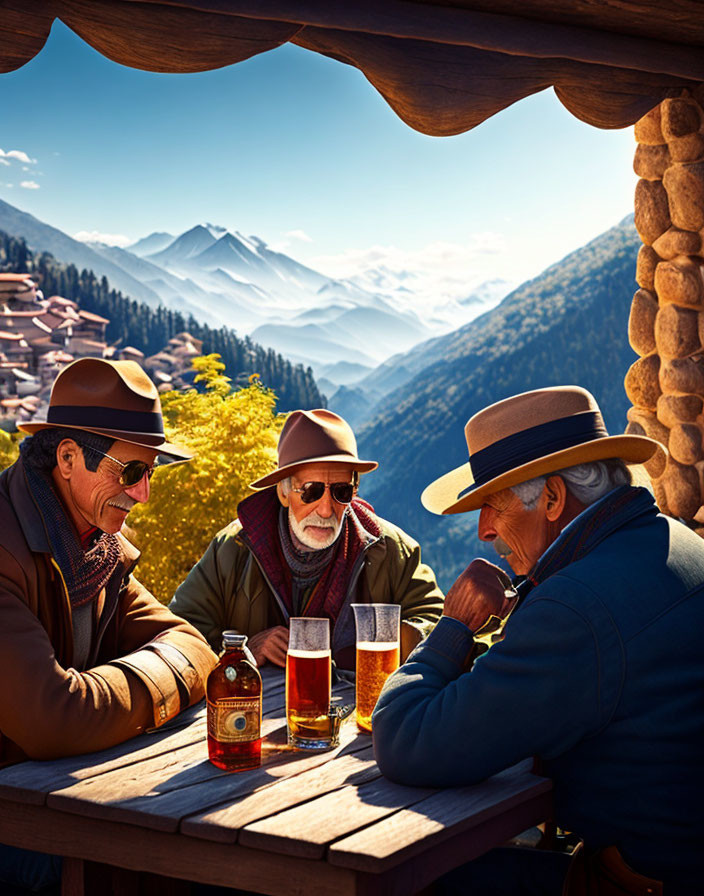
[586,531]
[84,572]
[259,516]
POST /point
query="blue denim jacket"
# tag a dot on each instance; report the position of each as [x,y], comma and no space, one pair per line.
[600,675]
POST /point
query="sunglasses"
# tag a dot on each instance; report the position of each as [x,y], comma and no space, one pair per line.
[132,470]
[342,492]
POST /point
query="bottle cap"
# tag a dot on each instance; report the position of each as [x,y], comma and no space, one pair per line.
[233,639]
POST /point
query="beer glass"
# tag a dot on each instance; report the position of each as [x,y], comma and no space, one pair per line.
[378,654]
[308,673]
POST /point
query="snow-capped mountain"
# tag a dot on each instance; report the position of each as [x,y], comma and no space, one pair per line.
[225,278]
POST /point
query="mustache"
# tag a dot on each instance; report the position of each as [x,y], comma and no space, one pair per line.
[321,522]
[501,548]
[125,504]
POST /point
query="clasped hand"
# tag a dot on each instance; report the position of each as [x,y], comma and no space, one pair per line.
[481,591]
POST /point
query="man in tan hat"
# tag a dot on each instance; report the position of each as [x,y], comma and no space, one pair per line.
[600,673]
[306,545]
[92,657]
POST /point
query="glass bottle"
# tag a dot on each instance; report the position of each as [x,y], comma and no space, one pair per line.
[234,695]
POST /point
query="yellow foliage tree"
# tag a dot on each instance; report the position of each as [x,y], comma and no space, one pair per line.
[234,436]
[9,448]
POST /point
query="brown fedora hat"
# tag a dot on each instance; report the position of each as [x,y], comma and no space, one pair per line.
[111,398]
[530,435]
[310,437]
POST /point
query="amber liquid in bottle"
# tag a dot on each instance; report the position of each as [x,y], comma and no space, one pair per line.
[234,695]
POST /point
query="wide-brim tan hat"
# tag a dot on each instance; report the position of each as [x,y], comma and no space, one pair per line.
[115,399]
[530,435]
[311,437]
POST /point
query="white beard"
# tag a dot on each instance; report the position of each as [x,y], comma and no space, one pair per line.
[314,519]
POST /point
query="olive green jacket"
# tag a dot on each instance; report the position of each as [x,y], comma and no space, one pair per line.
[228,589]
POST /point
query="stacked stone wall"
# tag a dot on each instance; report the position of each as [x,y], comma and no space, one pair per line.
[666,326]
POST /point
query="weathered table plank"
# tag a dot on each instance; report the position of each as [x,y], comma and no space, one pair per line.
[112,794]
[444,813]
[278,762]
[31,781]
[223,822]
[307,830]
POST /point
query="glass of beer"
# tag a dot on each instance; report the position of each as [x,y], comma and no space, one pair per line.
[378,654]
[308,674]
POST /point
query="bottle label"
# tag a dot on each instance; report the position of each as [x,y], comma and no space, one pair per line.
[235,719]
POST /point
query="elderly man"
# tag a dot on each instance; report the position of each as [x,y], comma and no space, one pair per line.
[306,545]
[88,657]
[600,673]
[92,656]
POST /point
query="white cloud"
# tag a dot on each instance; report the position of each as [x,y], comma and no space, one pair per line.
[29,184]
[457,265]
[108,239]
[4,161]
[18,155]
[431,280]
[299,235]
[284,245]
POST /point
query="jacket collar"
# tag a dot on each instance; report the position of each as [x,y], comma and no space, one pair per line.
[27,511]
[587,530]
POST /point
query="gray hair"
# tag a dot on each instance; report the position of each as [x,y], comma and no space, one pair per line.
[586,482]
[286,485]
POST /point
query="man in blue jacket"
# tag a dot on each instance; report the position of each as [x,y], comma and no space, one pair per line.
[600,673]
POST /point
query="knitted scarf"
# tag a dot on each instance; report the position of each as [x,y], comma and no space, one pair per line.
[586,531]
[84,572]
[306,566]
[259,515]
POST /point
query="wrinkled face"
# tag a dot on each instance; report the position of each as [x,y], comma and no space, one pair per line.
[526,533]
[316,525]
[97,498]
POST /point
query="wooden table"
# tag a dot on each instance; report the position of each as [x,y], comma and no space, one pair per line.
[320,823]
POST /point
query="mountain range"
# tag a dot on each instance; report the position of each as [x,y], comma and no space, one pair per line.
[228,279]
[569,325]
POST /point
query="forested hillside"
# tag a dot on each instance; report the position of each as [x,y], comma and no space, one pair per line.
[149,329]
[569,325]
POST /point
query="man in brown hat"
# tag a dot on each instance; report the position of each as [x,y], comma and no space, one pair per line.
[306,545]
[92,657]
[600,673]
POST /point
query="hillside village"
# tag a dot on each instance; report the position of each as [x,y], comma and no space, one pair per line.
[40,336]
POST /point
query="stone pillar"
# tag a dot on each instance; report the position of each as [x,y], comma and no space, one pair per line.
[666,326]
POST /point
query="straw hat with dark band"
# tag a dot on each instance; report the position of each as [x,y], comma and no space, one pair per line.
[112,398]
[311,437]
[530,435]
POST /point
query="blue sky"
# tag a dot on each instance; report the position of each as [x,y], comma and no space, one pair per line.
[301,151]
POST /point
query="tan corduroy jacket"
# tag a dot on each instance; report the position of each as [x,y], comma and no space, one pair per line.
[145,663]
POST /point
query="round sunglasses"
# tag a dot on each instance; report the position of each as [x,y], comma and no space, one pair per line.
[341,492]
[132,470]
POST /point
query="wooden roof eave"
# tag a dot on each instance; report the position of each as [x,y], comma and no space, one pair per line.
[443,68]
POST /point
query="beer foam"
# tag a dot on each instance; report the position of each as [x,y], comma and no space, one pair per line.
[377,645]
[309,654]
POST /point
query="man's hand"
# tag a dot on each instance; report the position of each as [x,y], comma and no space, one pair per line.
[478,593]
[271,645]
